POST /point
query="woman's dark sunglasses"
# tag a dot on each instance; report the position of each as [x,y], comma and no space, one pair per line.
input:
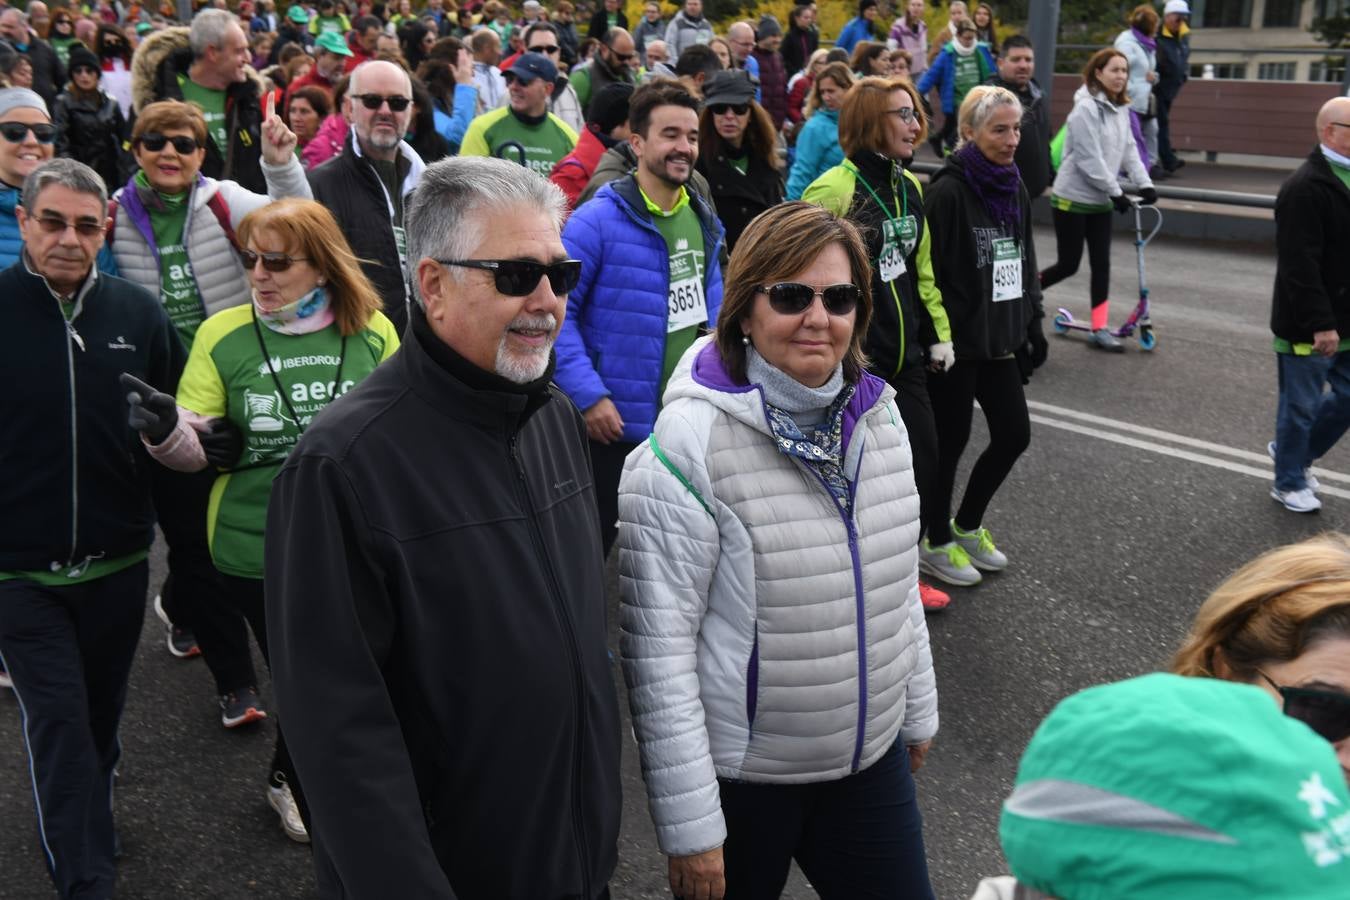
[272,262]
[789,298]
[154,142]
[15,132]
[519,277]
[1325,712]
[373,102]
[720,109]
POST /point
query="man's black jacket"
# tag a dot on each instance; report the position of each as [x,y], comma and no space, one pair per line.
[1033,152]
[436,616]
[1312,268]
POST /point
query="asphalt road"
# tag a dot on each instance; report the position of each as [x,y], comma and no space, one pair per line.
[1117,526]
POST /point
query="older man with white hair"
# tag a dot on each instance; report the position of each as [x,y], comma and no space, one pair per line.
[434,574]
[49,76]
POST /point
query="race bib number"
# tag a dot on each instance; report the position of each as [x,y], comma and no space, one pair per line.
[687,305]
[1007,270]
[401,242]
[897,243]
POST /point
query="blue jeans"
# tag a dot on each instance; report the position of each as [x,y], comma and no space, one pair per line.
[1310,420]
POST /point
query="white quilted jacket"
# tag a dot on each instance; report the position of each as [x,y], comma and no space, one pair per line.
[765,637]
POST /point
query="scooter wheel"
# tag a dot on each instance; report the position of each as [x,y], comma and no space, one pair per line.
[1147,340]
[1061,325]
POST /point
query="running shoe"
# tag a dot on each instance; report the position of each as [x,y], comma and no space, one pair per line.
[1309,479]
[948,562]
[1300,501]
[182,642]
[240,707]
[1103,339]
[279,797]
[933,599]
[979,546]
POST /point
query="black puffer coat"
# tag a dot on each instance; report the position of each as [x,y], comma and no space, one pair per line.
[93,130]
[740,198]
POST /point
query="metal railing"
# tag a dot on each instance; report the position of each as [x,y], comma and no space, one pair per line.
[1247,53]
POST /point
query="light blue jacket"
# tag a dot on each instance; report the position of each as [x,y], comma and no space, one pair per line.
[1142,61]
[857,29]
[452,125]
[818,151]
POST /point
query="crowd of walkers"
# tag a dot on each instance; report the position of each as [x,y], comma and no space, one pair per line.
[369,308]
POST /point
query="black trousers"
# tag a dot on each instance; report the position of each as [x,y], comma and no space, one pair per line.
[1168,155]
[997,384]
[192,595]
[1071,230]
[916,411]
[606,467]
[69,650]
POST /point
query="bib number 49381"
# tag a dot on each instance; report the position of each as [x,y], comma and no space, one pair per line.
[1007,270]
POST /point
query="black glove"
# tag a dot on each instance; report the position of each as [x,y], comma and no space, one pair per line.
[153,413]
[1148,196]
[222,444]
[1040,348]
[1121,203]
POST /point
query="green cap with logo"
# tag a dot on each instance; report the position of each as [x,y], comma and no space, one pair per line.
[1164,787]
[333,43]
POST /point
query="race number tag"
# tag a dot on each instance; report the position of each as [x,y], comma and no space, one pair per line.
[687,305]
[898,240]
[1007,270]
[401,243]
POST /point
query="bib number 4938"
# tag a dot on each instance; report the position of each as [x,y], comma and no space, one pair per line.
[1007,270]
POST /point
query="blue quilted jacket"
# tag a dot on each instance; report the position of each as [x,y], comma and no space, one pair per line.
[613,341]
[942,73]
[11,241]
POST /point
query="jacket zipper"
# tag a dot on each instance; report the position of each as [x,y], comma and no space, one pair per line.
[73,339]
[574,663]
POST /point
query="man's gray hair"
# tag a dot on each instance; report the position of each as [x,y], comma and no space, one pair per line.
[456,198]
[69,174]
[208,30]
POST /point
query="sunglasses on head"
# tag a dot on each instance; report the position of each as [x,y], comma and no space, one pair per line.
[16,132]
[720,109]
[154,142]
[373,102]
[789,298]
[519,277]
[1325,712]
[272,262]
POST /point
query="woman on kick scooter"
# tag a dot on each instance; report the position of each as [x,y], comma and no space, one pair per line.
[1097,147]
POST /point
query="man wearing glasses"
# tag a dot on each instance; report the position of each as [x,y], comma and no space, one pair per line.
[524,131]
[542,38]
[1311,314]
[615,60]
[76,520]
[459,618]
[365,186]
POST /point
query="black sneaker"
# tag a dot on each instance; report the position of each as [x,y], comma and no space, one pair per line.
[1176,164]
[182,642]
[240,707]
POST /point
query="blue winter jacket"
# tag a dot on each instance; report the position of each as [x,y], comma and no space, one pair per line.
[11,242]
[943,73]
[613,341]
[857,29]
[452,124]
[818,151]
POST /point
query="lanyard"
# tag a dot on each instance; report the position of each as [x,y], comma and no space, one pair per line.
[276,380]
[904,194]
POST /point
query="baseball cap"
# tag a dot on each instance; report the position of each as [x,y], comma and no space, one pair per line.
[1177,6]
[297,14]
[532,6]
[529,66]
[1164,786]
[333,43]
[730,87]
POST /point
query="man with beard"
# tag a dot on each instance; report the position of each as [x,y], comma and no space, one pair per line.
[365,185]
[434,581]
[650,284]
[524,131]
[1016,63]
[615,60]
[330,55]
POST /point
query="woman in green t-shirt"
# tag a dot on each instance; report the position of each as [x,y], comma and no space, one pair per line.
[256,376]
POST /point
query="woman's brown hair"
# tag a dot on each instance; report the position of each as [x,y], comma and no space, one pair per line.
[1273,609]
[1095,65]
[1145,18]
[308,229]
[863,54]
[163,115]
[864,117]
[760,137]
[776,245]
[839,73]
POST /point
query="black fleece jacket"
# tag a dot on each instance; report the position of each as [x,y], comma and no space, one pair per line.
[1312,269]
[436,616]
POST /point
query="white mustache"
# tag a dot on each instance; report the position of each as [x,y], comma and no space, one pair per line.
[533,323]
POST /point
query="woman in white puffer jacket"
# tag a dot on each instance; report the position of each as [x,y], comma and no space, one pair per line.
[773,642]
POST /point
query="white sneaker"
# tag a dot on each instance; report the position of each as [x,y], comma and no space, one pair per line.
[1300,501]
[979,546]
[1309,478]
[948,562]
[280,799]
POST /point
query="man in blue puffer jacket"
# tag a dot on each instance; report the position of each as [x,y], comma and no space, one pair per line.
[650,284]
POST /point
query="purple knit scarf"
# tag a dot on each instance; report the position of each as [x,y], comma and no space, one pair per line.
[1150,44]
[994,185]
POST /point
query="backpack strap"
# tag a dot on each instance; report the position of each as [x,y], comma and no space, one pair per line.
[675,470]
[221,210]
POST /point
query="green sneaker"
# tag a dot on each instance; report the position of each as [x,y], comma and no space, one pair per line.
[979,546]
[948,562]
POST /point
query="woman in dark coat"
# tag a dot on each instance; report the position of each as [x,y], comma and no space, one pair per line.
[737,152]
[89,124]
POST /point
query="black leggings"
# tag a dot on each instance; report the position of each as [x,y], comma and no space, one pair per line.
[606,469]
[997,384]
[1071,229]
[916,411]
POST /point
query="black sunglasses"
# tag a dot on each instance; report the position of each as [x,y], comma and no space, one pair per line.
[16,132]
[78,69]
[375,101]
[272,262]
[789,298]
[720,109]
[519,277]
[1325,712]
[550,49]
[154,142]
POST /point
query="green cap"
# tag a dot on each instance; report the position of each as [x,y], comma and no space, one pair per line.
[333,43]
[297,14]
[143,27]
[1163,787]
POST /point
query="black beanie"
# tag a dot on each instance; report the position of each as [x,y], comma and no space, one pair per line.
[80,55]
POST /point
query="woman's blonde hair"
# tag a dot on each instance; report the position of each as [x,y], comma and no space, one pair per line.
[1273,609]
[308,229]
[979,106]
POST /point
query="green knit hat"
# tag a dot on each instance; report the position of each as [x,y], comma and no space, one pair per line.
[1165,787]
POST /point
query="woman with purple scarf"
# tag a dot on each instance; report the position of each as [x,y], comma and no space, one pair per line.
[979,217]
[1140,48]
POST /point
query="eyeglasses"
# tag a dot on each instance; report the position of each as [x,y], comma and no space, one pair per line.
[1341,124]
[58,225]
[519,277]
[272,262]
[1325,712]
[720,109]
[905,114]
[551,49]
[789,298]
[154,142]
[16,132]
[373,102]
[78,69]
